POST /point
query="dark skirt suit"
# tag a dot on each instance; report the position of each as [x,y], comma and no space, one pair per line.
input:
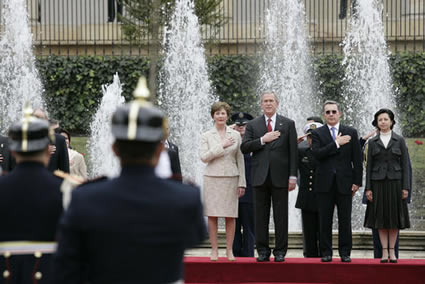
[387,176]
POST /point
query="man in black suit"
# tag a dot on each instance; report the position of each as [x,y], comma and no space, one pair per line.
[338,176]
[133,228]
[272,139]
[30,206]
[173,153]
[244,241]
[59,159]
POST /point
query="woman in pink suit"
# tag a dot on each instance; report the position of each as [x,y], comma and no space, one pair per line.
[224,176]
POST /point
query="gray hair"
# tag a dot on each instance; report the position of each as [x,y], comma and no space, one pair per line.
[269,92]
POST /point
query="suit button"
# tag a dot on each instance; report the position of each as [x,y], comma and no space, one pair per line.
[311,171]
[6,274]
[310,183]
[310,189]
[37,254]
[311,177]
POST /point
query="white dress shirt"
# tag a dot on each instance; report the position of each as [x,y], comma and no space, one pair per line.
[272,123]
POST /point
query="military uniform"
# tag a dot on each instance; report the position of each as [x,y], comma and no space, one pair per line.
[133,228]
[306,199]
[30,208]
[244,241]
[8,162]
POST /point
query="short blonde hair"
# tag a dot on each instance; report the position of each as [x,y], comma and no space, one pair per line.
[218,106]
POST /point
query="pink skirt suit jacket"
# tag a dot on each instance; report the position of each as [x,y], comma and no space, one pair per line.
[224,173]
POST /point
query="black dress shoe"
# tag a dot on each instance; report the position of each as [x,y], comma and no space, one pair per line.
[326,258]
[345,258]
[393,260]
[279,258]
[263,258]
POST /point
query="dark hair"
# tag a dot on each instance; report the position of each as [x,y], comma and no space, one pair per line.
[381,111]
[135,150]
[218,106]
[329,102]
[60,130]
[315,119]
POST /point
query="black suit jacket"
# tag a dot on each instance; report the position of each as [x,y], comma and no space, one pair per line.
[306,199]
[343,162]
[131,229]
[30,208]
[279,157]
[173,153]
[60,159]
[387,163]
[8,161]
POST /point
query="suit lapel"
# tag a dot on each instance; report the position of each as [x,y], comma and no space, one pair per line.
[393,137]
[262,124]
[327,133]
[279,123]
[278,126]
[379,141]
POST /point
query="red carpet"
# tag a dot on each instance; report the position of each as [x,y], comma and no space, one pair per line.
[302,270]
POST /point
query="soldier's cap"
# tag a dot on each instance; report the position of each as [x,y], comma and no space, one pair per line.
[139,120]
[309,127]
[31,134]
[241,118]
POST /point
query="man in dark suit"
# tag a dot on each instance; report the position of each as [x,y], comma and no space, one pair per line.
[306,199]
[7,162]
[173,153]
[59,159]
[30,206]
[133,228]
[338,176]
[244,241]
[272,140]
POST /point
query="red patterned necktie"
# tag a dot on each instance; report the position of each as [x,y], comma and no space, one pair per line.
[269,126]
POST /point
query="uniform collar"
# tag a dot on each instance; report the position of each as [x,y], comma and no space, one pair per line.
[137,170]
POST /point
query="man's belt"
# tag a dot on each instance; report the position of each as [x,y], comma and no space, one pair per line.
[27,247]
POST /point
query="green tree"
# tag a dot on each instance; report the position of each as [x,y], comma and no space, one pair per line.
[143,20]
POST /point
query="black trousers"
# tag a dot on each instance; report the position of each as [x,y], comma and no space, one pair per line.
[310,223]
[326,203]
[265,196]
[243,244]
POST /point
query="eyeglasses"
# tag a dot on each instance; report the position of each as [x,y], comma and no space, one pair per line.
[331,111]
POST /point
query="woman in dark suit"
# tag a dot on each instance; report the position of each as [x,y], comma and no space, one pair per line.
[387,183]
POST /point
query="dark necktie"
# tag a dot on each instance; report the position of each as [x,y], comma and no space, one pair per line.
[269,126]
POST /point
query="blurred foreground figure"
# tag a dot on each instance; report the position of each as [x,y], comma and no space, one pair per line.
[134,228]
[30,205]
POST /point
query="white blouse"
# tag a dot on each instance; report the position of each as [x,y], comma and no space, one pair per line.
[385,138]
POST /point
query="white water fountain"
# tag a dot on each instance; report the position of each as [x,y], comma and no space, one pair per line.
[19,79]
[287,70]
[185,91]
[102,160]
[368,82]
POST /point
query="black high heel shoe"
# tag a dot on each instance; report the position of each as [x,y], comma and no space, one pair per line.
[393,260]
[384,260]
